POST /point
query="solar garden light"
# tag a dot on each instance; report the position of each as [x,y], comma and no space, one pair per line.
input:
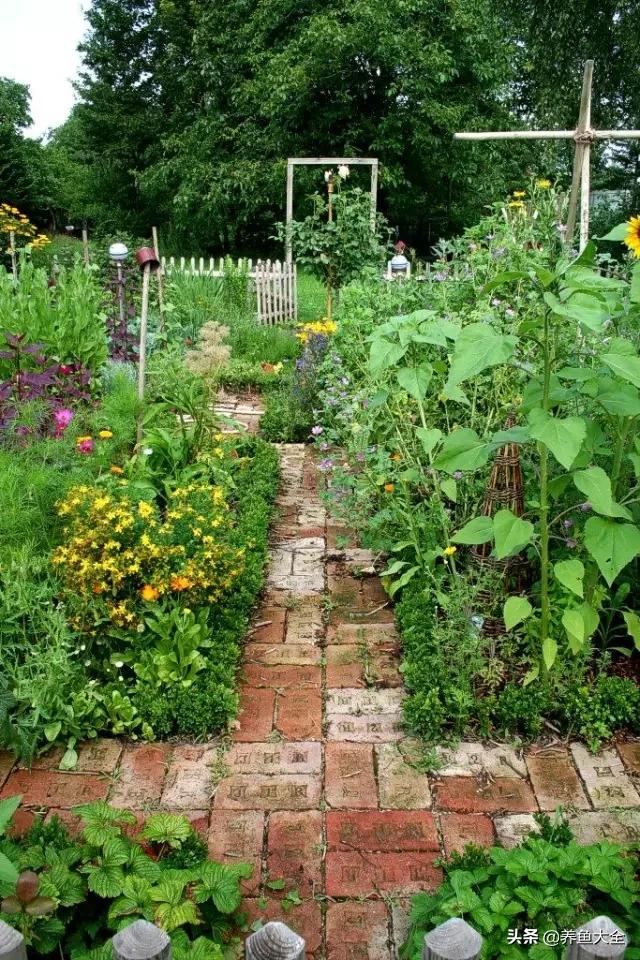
[118,253]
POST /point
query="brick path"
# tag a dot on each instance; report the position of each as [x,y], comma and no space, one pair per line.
[317,784]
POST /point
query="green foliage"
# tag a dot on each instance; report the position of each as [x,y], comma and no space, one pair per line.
[72,896]
[549,882]
[418,383]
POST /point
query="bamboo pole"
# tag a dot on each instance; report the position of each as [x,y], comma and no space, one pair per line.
[516,135]
[142,347]
[581,162]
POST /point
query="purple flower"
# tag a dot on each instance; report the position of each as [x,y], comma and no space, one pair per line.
[324,445]
[498,252]
[360,457]
[316,431]
[457,475]
[585,507]
[571,543]
[326,464]
[567,524]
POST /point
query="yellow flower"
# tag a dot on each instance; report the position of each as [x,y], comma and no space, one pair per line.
[149,593]
[396,456]
[519,193]
[632,239]
[145,509]
[515,203]
[82,439]
[116,470]
[543,184]
[449,551]
[389,488]
[105,434]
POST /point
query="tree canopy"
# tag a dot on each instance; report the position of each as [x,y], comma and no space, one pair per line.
[188,110]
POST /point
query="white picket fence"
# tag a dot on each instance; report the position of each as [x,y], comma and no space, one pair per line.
[275,282]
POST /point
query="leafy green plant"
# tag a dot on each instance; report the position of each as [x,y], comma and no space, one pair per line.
[549,882]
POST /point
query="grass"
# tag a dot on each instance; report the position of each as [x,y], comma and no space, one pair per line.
[311,297]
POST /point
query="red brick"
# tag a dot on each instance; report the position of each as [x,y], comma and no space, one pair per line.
[281,675]
[357,931]
[70,820]
[141,776]
[355,633]
[350,777]
[41,788]
[344,666]
[189,781]
[255,717]
[46,761]
[630,753]
[337,534]
[299,714]
[383,831]
[271,622]
[361,615]
[21,821]
[99,756]
[555,780]
[471,795]
[304,920]
[259,792]
[288,653]
[235,836]
[373,591]
[295,850]
[459,829]
[356,874]
[275,758]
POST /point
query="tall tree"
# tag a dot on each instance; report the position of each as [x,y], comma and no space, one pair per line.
[23,175]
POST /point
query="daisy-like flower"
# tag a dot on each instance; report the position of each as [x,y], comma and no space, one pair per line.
[543,184]
[518,194]
[632,239]
[149,593]
[116,470]
[105,434]
[449,551]
[389,488]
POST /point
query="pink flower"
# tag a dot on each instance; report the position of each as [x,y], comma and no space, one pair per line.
[85,446]
[62,418]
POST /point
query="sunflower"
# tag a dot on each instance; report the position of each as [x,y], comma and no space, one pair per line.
[632,238]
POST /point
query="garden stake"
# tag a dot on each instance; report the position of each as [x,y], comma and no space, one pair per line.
[142,348]
[12,251]
[329,178]
[85,245]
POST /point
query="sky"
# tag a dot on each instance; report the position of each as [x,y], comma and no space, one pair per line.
[39,40]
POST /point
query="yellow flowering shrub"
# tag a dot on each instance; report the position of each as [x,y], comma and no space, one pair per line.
[13,221]
[324,326]
[121,553]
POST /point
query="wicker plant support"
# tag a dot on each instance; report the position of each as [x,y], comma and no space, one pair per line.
[505,491]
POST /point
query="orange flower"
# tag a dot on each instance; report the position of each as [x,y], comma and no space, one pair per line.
[389,488]
[396,456]
[116,470]
[180,583]
[149,593]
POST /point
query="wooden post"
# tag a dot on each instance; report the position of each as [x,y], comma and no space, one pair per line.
[12,251]
[85,245]
[141,940]
[452,940]
[598,939]
[374,193]
[329,270]
[581,162]
[274,941]
[289,214]
[156,247]
[12,946]
[142,348]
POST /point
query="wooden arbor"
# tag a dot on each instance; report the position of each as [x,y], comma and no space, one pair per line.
[583,136]
[294,162]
